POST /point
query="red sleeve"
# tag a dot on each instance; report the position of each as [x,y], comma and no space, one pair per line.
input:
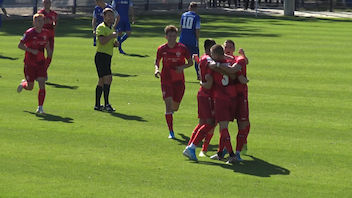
[159,53]
[26,37]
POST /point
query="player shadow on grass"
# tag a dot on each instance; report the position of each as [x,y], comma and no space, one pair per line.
[136,55]
[123,75]
[51,117]
[7,57]
[61,86]
[185,140]
[128,117]
[256,167]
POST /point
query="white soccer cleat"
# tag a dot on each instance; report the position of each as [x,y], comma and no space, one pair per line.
[20,87]
[215,157]
[40,110]
[190,153]
[202,154]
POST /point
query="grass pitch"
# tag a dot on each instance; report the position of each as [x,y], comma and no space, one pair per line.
[300,95]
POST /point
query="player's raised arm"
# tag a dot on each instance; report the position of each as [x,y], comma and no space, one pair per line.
[241,52]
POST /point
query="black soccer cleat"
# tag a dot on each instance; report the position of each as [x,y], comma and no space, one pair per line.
[99,108]
[109,108]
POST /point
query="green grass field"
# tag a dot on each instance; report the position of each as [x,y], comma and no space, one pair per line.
[300,94]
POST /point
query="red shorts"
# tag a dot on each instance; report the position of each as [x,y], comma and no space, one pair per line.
[205,107]
[174,90]
[32,72]
[223,109]
[241,112]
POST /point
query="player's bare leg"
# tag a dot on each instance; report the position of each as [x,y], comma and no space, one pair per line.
[168,116]
[41,94]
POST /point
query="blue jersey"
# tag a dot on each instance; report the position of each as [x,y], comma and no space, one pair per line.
[98,14]
[190,22]
[122,7]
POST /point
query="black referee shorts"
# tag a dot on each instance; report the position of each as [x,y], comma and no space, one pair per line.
[103,64]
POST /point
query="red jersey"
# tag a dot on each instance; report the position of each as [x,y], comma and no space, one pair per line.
[172,58]
[241,88]
[203,71]
[34,40]
[50,19]
[222,86]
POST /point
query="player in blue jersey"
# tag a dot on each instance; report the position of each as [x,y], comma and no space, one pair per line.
[4,11]
[98,16]
[190,29]
[123,7]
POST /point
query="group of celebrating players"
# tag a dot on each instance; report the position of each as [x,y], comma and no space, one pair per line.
[223,93]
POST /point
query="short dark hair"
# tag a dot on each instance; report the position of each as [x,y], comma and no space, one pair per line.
[208,43]
[106,10]
[217,49]
[231,42]
[170,28]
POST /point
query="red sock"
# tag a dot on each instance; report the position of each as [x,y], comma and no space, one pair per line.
[225,141]
[169,119]
[202,132]
[207,139]
[24,84]
[241,138]
[195,130]
[41,97]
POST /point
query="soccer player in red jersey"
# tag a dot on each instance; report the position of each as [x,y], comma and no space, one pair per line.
[33,43]
[238,100]
[205,127]
[50,21]
[223,107]
[174,55]
[242,114]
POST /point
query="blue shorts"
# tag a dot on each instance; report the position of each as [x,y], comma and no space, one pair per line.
[192,50]
[123,26]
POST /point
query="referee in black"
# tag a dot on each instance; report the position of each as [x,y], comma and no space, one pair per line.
[106,41]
